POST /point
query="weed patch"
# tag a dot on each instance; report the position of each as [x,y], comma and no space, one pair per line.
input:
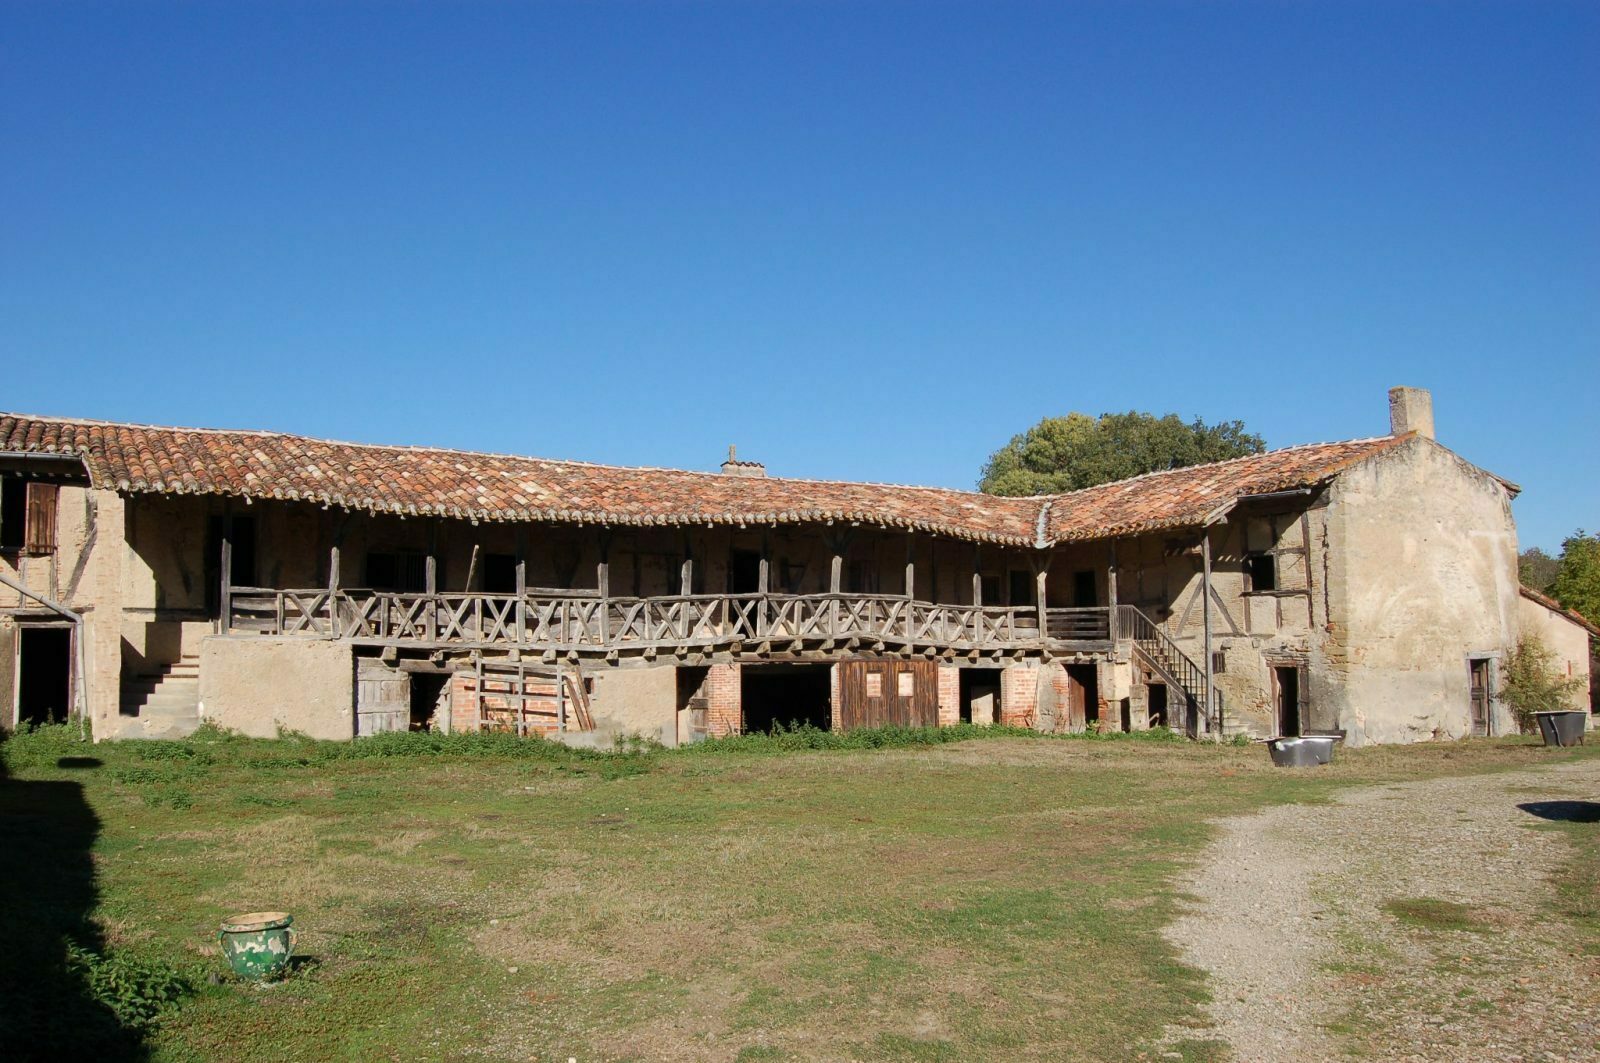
[1431,913]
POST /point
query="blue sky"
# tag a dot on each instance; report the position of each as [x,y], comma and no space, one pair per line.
[861,240]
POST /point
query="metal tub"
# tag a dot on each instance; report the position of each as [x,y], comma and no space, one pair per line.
[1562,728]
[1302,752]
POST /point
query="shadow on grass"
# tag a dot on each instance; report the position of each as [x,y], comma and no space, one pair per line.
[1564,811]
[47,892]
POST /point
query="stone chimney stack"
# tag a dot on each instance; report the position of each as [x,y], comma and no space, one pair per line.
[734,467]
[1411,410]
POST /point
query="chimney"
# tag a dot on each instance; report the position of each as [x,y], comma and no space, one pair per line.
[734,467]
[1411,410]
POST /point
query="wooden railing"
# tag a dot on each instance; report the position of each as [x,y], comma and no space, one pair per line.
[587,623]
[1079,625]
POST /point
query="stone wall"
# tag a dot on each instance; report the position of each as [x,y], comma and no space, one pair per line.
[1421,576]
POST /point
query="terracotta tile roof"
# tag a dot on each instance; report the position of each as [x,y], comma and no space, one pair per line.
[137,459]
[1188,496]
[1556,607]
[494,487]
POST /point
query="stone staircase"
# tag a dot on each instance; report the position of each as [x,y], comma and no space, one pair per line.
[162,705]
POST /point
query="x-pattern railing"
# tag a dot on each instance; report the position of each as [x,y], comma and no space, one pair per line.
[591,623]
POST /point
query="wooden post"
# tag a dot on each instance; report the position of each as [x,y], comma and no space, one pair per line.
[334,627]
[431,584]
[911,567]
[1111,598]
[977,574]
[602,577]
[1205,613]
[227,573]
[686,573]
[433,560]
[835,573]
[522,595]
[1041,575]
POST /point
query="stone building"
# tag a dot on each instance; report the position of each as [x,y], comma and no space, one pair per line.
[152,578]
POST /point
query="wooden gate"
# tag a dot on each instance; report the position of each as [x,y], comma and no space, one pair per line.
[878,693]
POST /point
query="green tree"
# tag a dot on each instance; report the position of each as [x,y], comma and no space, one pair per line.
[1577,582]
[1077,451]
[1537,569]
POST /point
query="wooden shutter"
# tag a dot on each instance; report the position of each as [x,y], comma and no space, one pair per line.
[41,520]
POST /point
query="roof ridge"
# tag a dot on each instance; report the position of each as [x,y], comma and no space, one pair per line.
[1217,464]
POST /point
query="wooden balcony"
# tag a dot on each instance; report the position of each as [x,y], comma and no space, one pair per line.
[587,625]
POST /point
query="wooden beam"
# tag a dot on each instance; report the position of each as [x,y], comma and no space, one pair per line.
[1041,574]
[1111,593]
[432,566]
[911,566]
[227,571]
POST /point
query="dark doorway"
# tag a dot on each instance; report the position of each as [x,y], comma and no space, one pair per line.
[499,573]
[787,696]
[1158,704]
[1288,684]
[426,690]
[980,690]
[1084,593]
[693,702]
[1021,587]
[241,534]
[1478,668]
[44,674]
[744,572]
[1083,696]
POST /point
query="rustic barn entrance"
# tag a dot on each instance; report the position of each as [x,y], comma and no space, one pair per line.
[1286,683]
[1083,696]
[879,693]
[44,673]
[980,695]
[787,695]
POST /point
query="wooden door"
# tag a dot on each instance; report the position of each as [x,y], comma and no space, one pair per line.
[383,698]
[882,693]
[1480,695]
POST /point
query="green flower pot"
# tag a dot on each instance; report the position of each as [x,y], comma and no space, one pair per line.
[258,945]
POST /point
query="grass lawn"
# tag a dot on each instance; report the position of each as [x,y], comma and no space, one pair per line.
[995,898]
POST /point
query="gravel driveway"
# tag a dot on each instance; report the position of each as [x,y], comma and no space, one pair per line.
[1322,933]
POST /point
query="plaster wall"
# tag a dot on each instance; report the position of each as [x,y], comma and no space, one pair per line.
[1421,575]
[641,701]
[257,685]
[1561,636]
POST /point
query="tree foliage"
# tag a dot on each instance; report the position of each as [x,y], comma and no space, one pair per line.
[1577,581]
[1531,682]
[1537,569]
[1077,451]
